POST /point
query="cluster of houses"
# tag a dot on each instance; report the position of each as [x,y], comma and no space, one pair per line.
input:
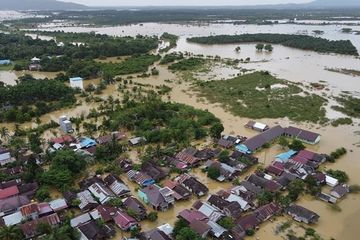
[98,196]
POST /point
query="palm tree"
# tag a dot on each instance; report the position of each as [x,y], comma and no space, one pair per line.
[4,134]
[11,233]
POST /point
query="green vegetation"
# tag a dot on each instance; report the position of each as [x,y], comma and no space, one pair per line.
[187,64]
[338,153]
[213,173]
[171,57]
[295,188]
[354,188]
[163,122]
[172,39]
[341,121]
[227,222]
[252,96]
[349,106]
[11,233]
[33,97]
[339,175]
[296,145]
[152,216]
[65,165]
[135,64]
[296,41]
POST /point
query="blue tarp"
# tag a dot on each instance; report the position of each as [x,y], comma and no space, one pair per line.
[284,157]
[242,148]
[87,142]
[5,62]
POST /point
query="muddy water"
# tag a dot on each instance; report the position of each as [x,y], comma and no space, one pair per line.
[10,77]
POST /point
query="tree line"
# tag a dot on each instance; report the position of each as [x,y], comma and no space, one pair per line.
[296,41]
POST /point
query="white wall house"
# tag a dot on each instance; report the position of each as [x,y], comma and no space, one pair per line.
[76,82]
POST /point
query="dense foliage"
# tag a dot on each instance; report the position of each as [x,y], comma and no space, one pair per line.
[171,39]
[349,105]
[164,122]
[295,41]
[32,97]
[256,95]
[187,64]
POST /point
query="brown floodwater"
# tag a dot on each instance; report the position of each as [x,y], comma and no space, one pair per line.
[291,64]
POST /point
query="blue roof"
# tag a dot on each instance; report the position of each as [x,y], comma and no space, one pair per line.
[242,148]
[286,155]
[74,79]
[5,61]
[87,142]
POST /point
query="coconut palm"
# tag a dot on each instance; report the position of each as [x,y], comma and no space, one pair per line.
[11,233]
[4,134]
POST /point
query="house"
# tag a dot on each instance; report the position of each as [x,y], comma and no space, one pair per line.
[137,141]
[85,143]
[91,230]
[30,229]
[339,191]
[217,231]
[101,192]
[125,164]
[11,183]
[320,178]
[78,220]
[260,127]
[192,184]
[302,214]
[124,221]
[116,185]
[268,185]
[248,222]
[28,189]
[276,168]
[255,143]
[330,181]
[5,156]
[200,227]
[233,210]
[192,215]
[265,212]
[12,204]
[58,205]
[154,234]
[180,192]
[212,213]
[76,82]
[326,197]
[35,64]
[13,219]
[302,135]
[247,186]
[176,163]
[65,124]
[188,156]
[207,153]
[225,143]
[63,140]
[9,192]
[140,178]
[227,172]
[104,212]
[285,156]
[35,210]
[87,201]
[244,158]
[136,206]
[160,199]
[243,204]
[117,136]
[155,172]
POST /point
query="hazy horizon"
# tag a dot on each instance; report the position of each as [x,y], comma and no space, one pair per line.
[182,2]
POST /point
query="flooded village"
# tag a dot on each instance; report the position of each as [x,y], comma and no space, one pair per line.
[178,140]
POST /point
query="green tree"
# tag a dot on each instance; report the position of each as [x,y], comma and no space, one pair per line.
[213,173]
[268,47]
[259,47]
[341,176]
[35,142]
[152,216]
[65,232]
[296,187]
[42,193]
[283,142]
[297,145]
[227,222]
[224,156]
[187,234]
[44,228]
[11,233]
[179,224]
[216,129]
[265,197]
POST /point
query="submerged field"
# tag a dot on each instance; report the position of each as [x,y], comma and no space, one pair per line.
[261,95]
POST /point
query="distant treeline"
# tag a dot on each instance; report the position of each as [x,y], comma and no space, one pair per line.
[116,17]
[296,41]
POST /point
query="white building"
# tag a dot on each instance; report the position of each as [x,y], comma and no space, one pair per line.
[65,124]
[76,82]
[5,156]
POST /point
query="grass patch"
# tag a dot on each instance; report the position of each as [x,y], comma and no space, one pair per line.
[190,64]
[349,106]
[261,95]
[341,121]
[135,64]
[6,67]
